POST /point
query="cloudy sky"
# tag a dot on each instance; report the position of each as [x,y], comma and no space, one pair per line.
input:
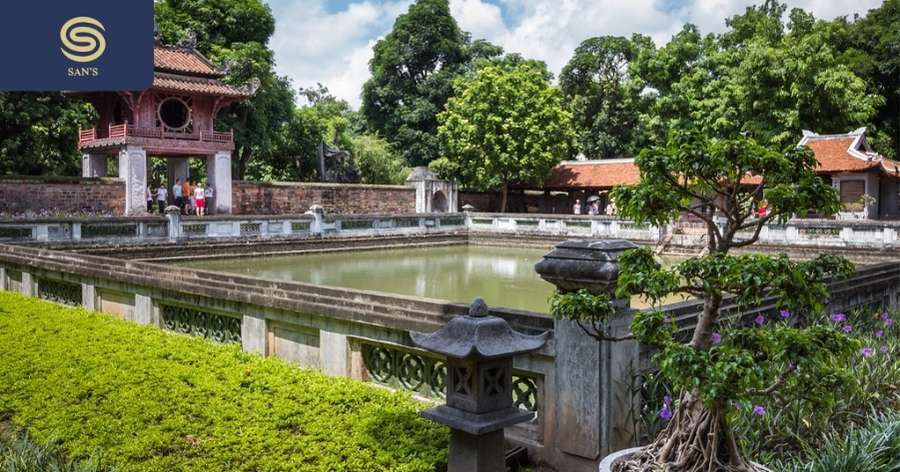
[330,41]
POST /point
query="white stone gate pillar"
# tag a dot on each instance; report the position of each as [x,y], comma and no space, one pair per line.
[218,176]
[93,165]
[133,169]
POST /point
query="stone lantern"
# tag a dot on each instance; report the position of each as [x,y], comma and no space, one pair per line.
[479,350]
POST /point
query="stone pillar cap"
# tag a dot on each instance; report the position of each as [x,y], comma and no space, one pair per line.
[478,335]
[592,265]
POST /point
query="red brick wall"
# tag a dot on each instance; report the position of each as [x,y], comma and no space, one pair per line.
[256,198]
[61,196]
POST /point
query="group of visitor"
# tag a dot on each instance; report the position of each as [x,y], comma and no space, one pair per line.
[593,207]
[189,196]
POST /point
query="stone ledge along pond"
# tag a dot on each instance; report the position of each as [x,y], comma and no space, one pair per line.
[504,277]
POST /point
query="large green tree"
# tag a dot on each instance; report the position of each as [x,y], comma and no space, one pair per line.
[39,133]
[605,102]
[235,33]
[504,125]
[412,76]
[764,77]
[875,51]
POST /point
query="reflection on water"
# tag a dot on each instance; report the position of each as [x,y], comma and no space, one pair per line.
[504,277]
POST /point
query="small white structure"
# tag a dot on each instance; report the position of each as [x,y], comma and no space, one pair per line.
[433,195]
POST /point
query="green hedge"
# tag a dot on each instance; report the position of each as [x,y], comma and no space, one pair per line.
[145,400]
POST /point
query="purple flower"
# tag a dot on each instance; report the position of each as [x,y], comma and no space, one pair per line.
[847,329]
[716,339]
[760,320]
[758,410]
[785,314]
[867,351]
[884,349]
[838,317]
[885,316]
[665,413]
[667,400]
[879,334]
[889,322]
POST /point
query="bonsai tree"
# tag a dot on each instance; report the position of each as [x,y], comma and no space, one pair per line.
[721,366]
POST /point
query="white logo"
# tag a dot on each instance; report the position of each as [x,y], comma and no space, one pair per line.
[82,39]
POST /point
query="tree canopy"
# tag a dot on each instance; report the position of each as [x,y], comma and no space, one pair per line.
[412,77]
[504,125]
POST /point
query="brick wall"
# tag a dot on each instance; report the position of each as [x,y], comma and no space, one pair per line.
[256,198]
[61,196]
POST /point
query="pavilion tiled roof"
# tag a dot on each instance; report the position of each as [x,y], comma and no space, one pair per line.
[200,85]
[840,154]
[183,61]
[593,174]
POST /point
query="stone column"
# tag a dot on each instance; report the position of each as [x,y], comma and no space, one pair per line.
[173,217]
[334,352]
[596,418]
[133,169]
[4,283]
[27,286]
[218,174]
[89,297]
[93,165]
[254,334]
[143,309]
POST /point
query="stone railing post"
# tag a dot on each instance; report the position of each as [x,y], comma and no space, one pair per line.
[318,214]
[479,350]
[596,402]
[173,214]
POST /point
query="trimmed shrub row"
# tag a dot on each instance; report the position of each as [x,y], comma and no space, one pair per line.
[144,400]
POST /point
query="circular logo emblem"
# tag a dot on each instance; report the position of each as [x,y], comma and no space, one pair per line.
[82,39]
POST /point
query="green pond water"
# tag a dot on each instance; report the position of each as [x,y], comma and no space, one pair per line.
[504,277]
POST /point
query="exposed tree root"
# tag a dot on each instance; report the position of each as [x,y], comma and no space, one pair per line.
[697,439]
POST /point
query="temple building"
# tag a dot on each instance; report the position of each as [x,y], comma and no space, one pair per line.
[174,119]
[866,181]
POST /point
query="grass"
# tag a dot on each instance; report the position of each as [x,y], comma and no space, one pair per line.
[145,400]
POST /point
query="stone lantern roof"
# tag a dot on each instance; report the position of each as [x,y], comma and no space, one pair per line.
[478,335]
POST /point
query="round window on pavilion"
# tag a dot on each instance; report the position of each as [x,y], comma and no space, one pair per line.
[174,114]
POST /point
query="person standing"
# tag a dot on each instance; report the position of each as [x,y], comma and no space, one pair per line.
[177,190]
[207,199]
[149,196]
[186,196]
[576,208]
[199,199]
[161,197]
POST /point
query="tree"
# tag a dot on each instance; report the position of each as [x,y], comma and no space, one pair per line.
[412,76]
[875,50]
[718,367]
[39,133]
[236,33]
[377,161]
[504,126]
[758,78]
[605,102]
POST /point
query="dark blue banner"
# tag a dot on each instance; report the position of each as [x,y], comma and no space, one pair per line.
[80,45]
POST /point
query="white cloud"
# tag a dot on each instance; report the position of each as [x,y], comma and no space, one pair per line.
[313,44]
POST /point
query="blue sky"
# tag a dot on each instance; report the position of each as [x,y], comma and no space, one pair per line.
[330,41]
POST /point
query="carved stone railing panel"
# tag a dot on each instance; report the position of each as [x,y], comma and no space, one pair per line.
[426,375]
[219,328]
[57,291]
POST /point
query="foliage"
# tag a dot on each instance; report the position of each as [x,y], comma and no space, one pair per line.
[152,401]
[720,180]
[236,33]
[39,133]
[20,454]
[412,75]
[874,448]
[862,384]
[504,126]
[378,162]
[604,100]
